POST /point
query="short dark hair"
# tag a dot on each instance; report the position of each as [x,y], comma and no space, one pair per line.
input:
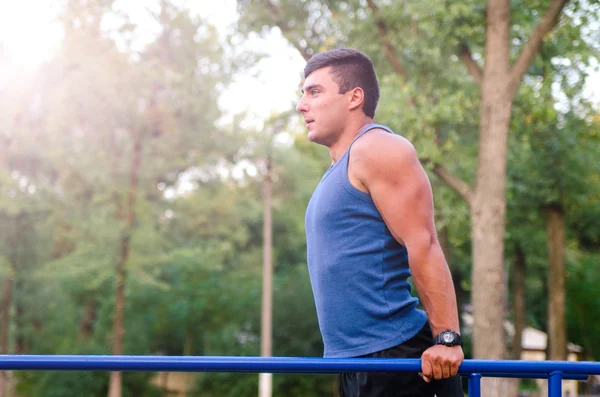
[350,69]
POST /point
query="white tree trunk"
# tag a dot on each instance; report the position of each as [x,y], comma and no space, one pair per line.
[265,381]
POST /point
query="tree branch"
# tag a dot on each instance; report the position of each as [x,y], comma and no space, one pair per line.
[472,66]
[278,17]
[390,51]
[546,24]
[459,186]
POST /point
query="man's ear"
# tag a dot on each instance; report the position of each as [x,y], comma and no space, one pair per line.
[356,98]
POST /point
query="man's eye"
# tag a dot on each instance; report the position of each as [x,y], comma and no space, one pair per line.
[314,92]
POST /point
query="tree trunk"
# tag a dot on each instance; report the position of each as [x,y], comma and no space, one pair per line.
[557,339]
[519,302]
[488,209]
[265,381]
[86,327]
[488,217]
[62,244]
[19,320]
[6,303]
[118,328]
[114,389]
[518,282]
[188,343]
[499,85]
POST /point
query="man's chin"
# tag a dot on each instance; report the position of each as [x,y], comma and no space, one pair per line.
[314,137]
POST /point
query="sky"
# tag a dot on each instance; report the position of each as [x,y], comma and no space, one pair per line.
[31,38]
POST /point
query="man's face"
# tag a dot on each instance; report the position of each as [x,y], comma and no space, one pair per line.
[325,110]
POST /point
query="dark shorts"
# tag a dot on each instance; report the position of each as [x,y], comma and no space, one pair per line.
[399,384]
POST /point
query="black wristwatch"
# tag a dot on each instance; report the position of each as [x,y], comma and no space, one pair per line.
[448,338]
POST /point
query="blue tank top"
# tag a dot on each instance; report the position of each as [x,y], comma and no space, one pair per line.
[358,271]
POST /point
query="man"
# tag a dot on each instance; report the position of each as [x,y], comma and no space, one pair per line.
[369,227]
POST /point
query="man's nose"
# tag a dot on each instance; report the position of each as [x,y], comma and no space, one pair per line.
[301,106]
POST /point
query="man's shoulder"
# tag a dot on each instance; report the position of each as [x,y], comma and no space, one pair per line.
[379,145]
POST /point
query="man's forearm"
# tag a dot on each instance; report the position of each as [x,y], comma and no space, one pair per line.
[433,281]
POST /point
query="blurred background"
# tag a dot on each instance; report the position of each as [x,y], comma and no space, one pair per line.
[154,173]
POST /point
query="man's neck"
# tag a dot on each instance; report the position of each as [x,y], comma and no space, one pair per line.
[338,149]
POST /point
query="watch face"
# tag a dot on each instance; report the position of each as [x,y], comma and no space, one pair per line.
[448,337]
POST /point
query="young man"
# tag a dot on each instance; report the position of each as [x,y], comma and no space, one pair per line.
[369,227]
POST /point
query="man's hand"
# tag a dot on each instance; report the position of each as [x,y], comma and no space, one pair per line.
[439,362]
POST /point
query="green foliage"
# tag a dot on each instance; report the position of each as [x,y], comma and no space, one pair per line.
[582,301]
[58,384]
[295,334]
[88,384]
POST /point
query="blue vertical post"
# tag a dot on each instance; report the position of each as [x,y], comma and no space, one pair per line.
[475,385]
[555,384]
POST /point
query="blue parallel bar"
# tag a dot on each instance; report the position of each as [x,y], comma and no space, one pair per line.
[555,384]
[524,375]
[474,385]
[206,364]
[502,368]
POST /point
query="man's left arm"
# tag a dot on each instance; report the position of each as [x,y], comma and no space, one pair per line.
[391,172]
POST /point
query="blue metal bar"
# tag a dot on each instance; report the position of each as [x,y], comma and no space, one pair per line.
[207,364]
[555,384]
[529,375]
[517,366]
[474,385]
[284,365]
